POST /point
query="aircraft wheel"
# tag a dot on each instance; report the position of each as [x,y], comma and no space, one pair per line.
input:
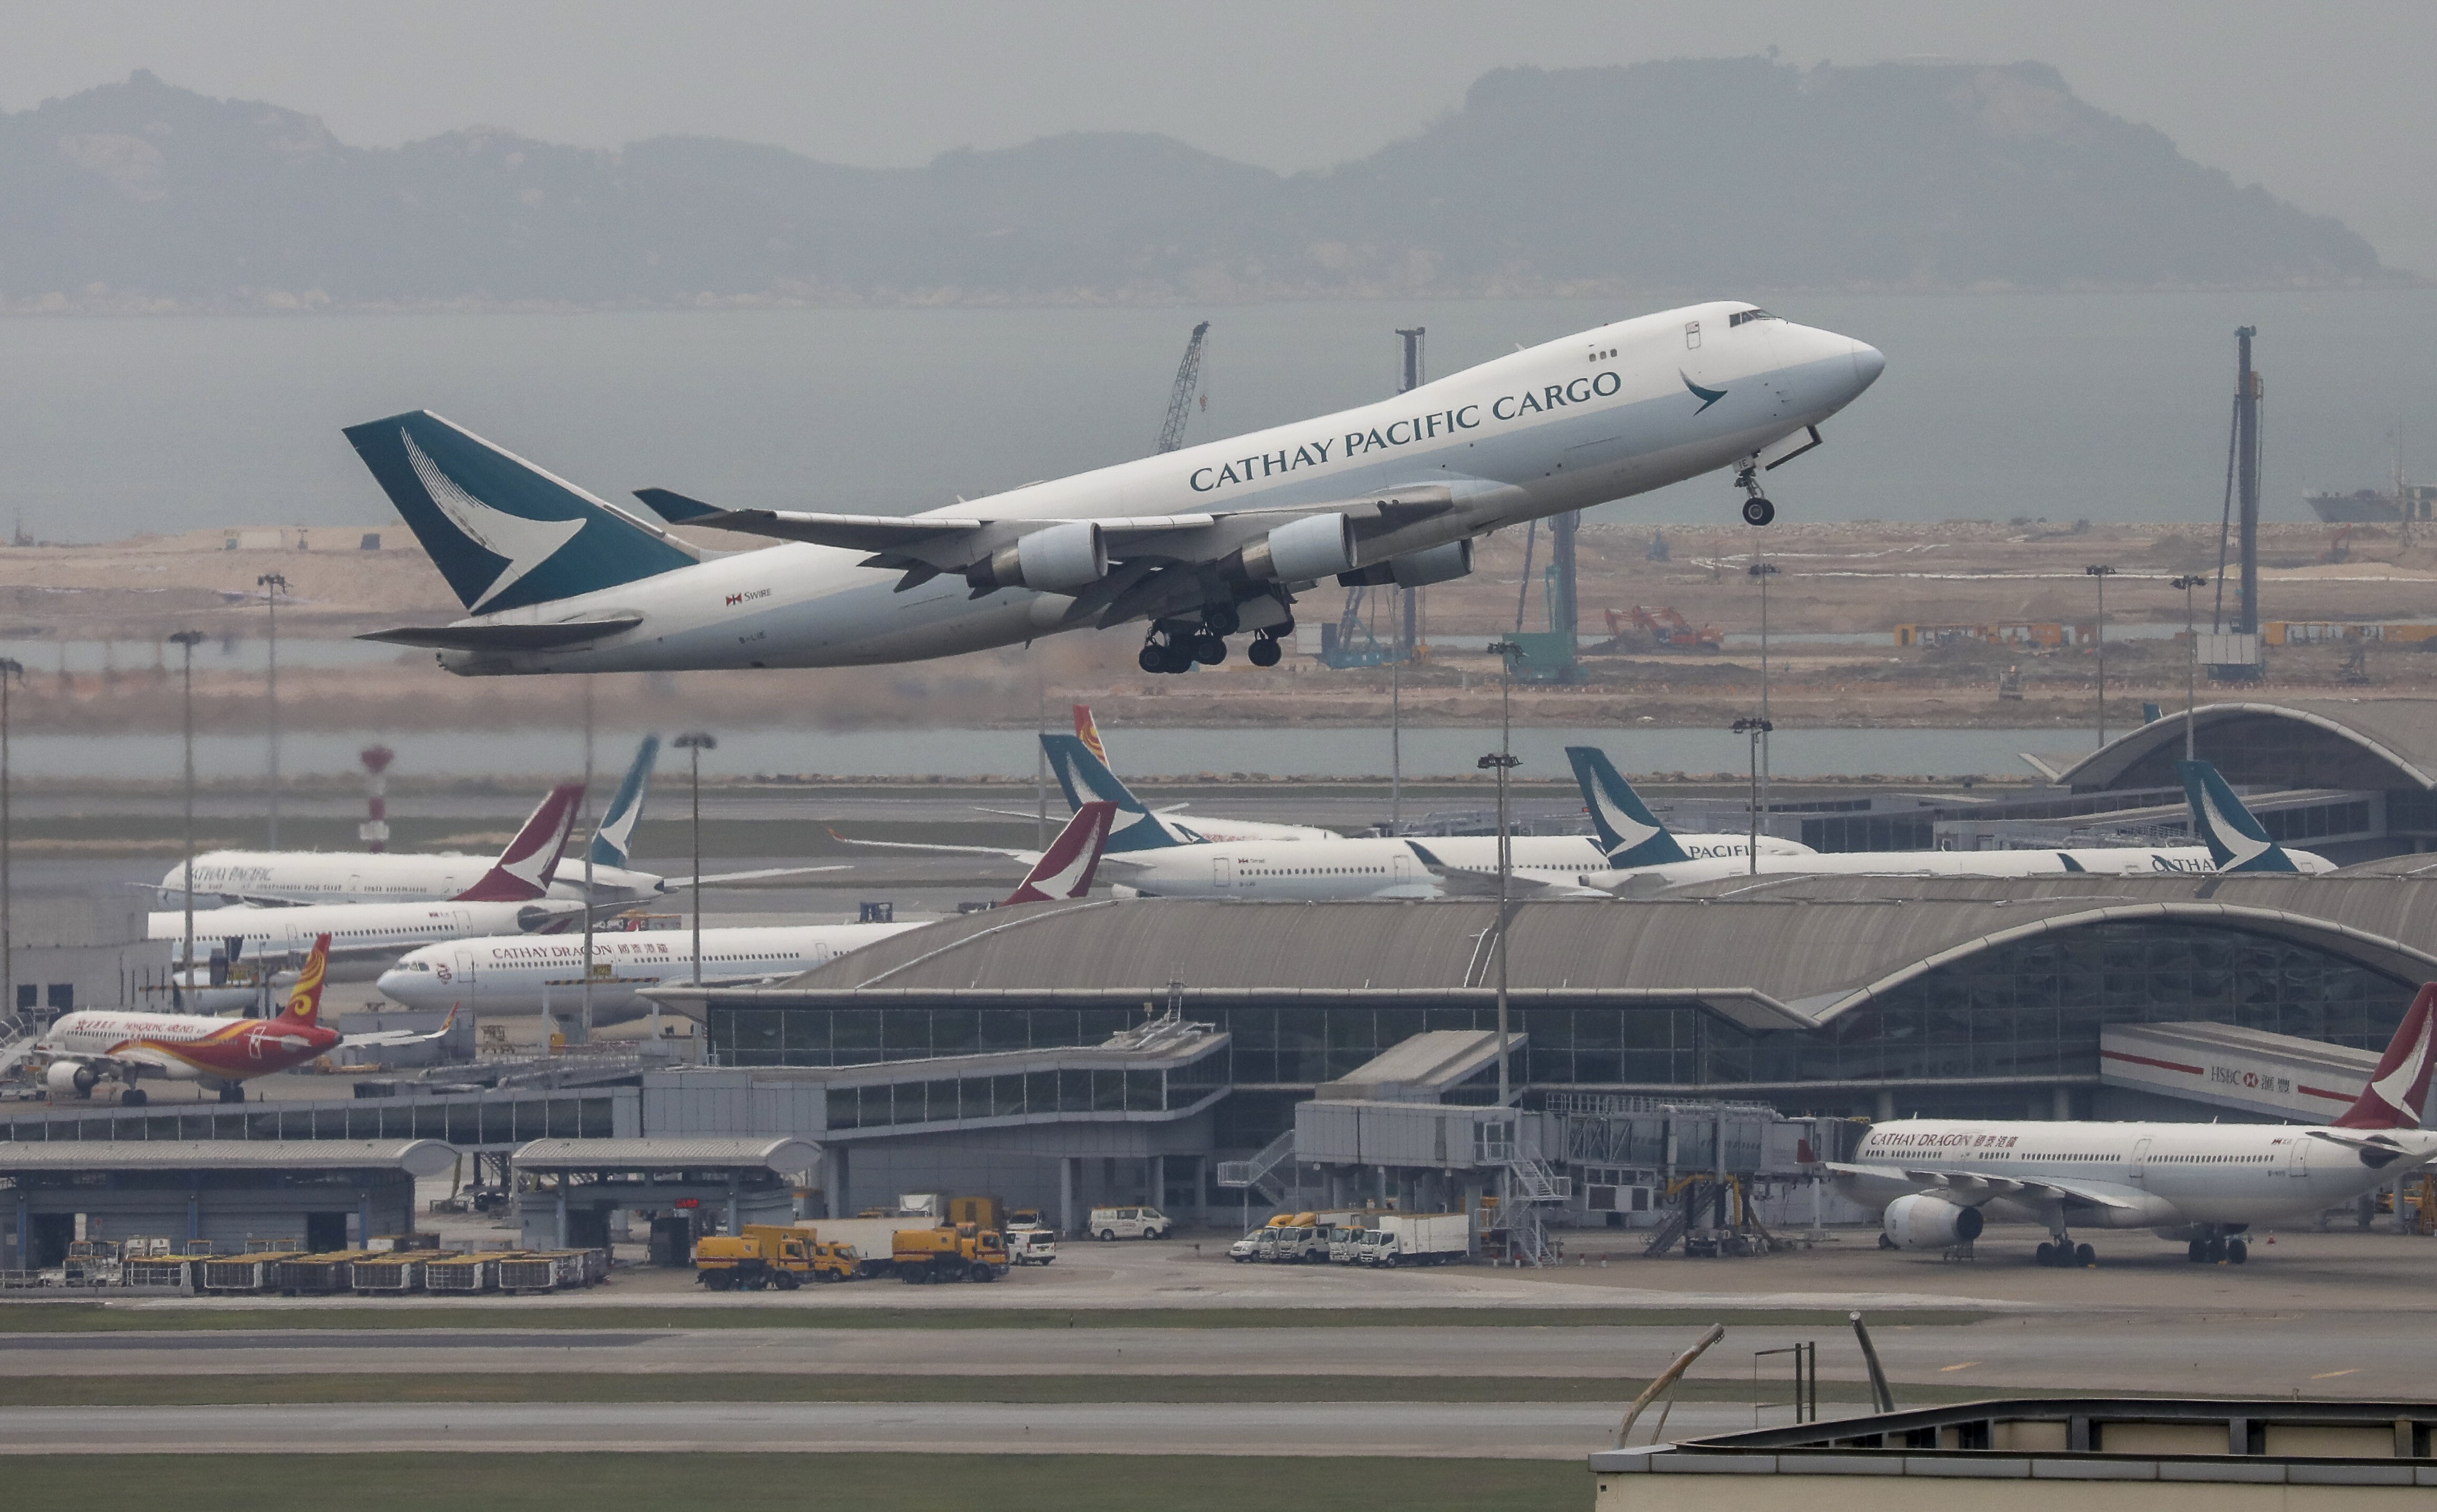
[1263,652]
[1221,619]
[232,1094]
[2196,1251]
[1759,511]
[1209,648]
[132,1097]
[2045,1254]
[1177,656]
[2084,1256]
[2237,1252]
[1152,657]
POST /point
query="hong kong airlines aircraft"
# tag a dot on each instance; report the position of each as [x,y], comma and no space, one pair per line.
[1204,543]
[90,1045]
[2201,1184]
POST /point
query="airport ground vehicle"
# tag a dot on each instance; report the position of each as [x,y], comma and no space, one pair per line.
[962,1253]
[771,1256]
[1295,1243]
[1345,1239]
[1130,1222]
[1416,1239]
[1248,1249]
[1031,1246]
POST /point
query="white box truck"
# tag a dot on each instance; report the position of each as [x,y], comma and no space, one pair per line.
[1418,1239]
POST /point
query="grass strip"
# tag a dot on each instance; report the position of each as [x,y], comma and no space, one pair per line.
[98,1317]
[298,1388]
[823,1483]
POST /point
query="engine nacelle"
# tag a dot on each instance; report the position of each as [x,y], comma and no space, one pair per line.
[1060,559]
[1922,1222]
[70,1077]
[1300,551]
[1439,564]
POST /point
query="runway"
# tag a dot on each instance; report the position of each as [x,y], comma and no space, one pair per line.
[1438,1430]
[2273,1353]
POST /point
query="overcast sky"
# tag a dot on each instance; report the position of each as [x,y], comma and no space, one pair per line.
[2329,105]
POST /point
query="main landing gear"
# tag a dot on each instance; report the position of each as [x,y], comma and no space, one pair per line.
[2218,1249]
[2066,1254]
[1179,646]
[1757,509]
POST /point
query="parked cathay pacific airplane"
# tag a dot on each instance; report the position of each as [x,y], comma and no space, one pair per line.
[2203,1185]
[1203,543]
[283,877]
[2235,842]
[1139,826]
[522,973]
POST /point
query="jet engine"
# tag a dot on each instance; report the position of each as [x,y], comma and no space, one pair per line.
[1439,564]
[1922,1222]
[1060,559]
[70,1077]
[1300,551]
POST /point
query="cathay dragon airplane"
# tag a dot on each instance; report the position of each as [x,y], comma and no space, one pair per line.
[85,1047]
[1203,543]
[1649,856]
[284,877]
[518,974]
[1939,1180]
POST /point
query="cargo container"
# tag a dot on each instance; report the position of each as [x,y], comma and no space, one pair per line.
[319,1274]
[395,1273]
[259,1272]
[477,1272]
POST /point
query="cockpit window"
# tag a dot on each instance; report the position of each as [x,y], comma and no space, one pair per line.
[1740,316]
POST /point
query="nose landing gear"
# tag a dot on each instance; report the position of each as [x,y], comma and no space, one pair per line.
[1757,509]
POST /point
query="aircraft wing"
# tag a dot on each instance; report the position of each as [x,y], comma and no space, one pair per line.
[1972,1188]
[1471,882]
[397,1036]
[726,879]
[1027,857]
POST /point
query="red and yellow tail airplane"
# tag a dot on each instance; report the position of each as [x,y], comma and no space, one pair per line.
[83,1048]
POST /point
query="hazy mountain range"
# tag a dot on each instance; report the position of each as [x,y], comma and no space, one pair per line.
[1711,176]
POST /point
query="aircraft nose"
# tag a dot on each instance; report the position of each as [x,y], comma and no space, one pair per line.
[1868,363]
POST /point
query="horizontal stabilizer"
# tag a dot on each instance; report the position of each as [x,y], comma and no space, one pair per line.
[505,636]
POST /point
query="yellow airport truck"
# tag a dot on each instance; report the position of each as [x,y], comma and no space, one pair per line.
[962,1253]
[767,1255]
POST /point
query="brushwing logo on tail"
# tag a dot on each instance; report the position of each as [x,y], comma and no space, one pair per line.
[1631,832]
[526,543]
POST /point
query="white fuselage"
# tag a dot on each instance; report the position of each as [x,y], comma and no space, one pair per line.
[1566,424]
[523,973]
[364,937]
[1226,831]
[2168,1175]
[2110,861]
[1322,870]
[386,876]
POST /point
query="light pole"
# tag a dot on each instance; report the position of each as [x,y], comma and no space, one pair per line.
[587,830]
[1504,763]
[1756,729]
[2103,572]
[12,671]
[273,584]
[1764,570]
[2192,661]
[186,641]
[693,743]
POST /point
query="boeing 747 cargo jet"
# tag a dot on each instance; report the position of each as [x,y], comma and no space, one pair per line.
[1203,543]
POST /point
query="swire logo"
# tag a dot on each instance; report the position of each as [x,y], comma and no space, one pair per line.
[734,599]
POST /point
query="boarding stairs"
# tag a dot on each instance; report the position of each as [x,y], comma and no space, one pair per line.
[1259,1173]
[18,1037]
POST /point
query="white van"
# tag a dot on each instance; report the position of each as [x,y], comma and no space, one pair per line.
[1129,1222]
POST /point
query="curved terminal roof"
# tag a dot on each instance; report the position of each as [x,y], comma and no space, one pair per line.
[680,1152]
[1766,953]
[2348,743]
[416,1158]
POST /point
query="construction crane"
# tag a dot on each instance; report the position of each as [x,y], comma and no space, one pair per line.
[1180,399]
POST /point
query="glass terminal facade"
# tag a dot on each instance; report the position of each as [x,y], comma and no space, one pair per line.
[2029,1011]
